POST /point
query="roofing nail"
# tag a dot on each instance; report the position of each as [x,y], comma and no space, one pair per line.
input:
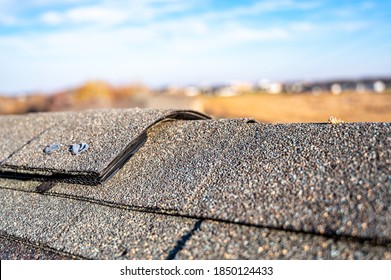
[78,148]
[52,148]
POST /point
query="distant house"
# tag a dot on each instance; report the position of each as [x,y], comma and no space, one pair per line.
[226,91]
[379,86]
[220,90]
[295,87]
[175,102]
[362,87]
[270,86]
[340,86]
[336,88]
[192,91]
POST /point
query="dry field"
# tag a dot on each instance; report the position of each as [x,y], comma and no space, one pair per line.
[289,108]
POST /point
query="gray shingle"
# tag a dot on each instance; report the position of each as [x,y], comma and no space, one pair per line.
[326,179]
[23,185]
[81,229]
[36,218]
[217,240]
[103,232]
[112,135]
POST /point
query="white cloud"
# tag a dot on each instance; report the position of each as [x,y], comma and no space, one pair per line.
[153,51]
[303,26]
[93,15]
[344,26]
[157,52]
[96,15]
[262,7]
[52,18]
[110,13]
[237,34]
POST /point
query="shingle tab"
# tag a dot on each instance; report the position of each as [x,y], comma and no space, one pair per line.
[112,137]
[35,218]
[89,230]
[217,240]
[103,232]
[332,180]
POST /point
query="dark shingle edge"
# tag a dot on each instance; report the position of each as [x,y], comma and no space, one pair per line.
[24,249]
[83,178]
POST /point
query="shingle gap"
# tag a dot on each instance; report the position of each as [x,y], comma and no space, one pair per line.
[45,186]
[182,241]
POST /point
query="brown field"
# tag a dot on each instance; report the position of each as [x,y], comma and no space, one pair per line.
[290,108]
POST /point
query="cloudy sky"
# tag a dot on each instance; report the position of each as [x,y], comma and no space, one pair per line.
[53,44]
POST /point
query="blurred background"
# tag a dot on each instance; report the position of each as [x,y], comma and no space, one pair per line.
[275,61]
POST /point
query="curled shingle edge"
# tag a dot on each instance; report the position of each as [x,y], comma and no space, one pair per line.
[95,178]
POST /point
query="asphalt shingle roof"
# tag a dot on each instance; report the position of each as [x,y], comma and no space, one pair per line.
[202,189]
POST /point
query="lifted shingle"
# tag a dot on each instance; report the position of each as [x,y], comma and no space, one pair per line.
[112,137]
[172,167]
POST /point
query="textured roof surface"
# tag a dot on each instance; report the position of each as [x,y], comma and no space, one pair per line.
[23,129]
[108,133]
[209,189]
[14,249]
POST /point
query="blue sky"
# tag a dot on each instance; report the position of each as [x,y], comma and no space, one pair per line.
[50,45]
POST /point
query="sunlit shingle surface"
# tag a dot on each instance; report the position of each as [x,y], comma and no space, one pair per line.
[207,189]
